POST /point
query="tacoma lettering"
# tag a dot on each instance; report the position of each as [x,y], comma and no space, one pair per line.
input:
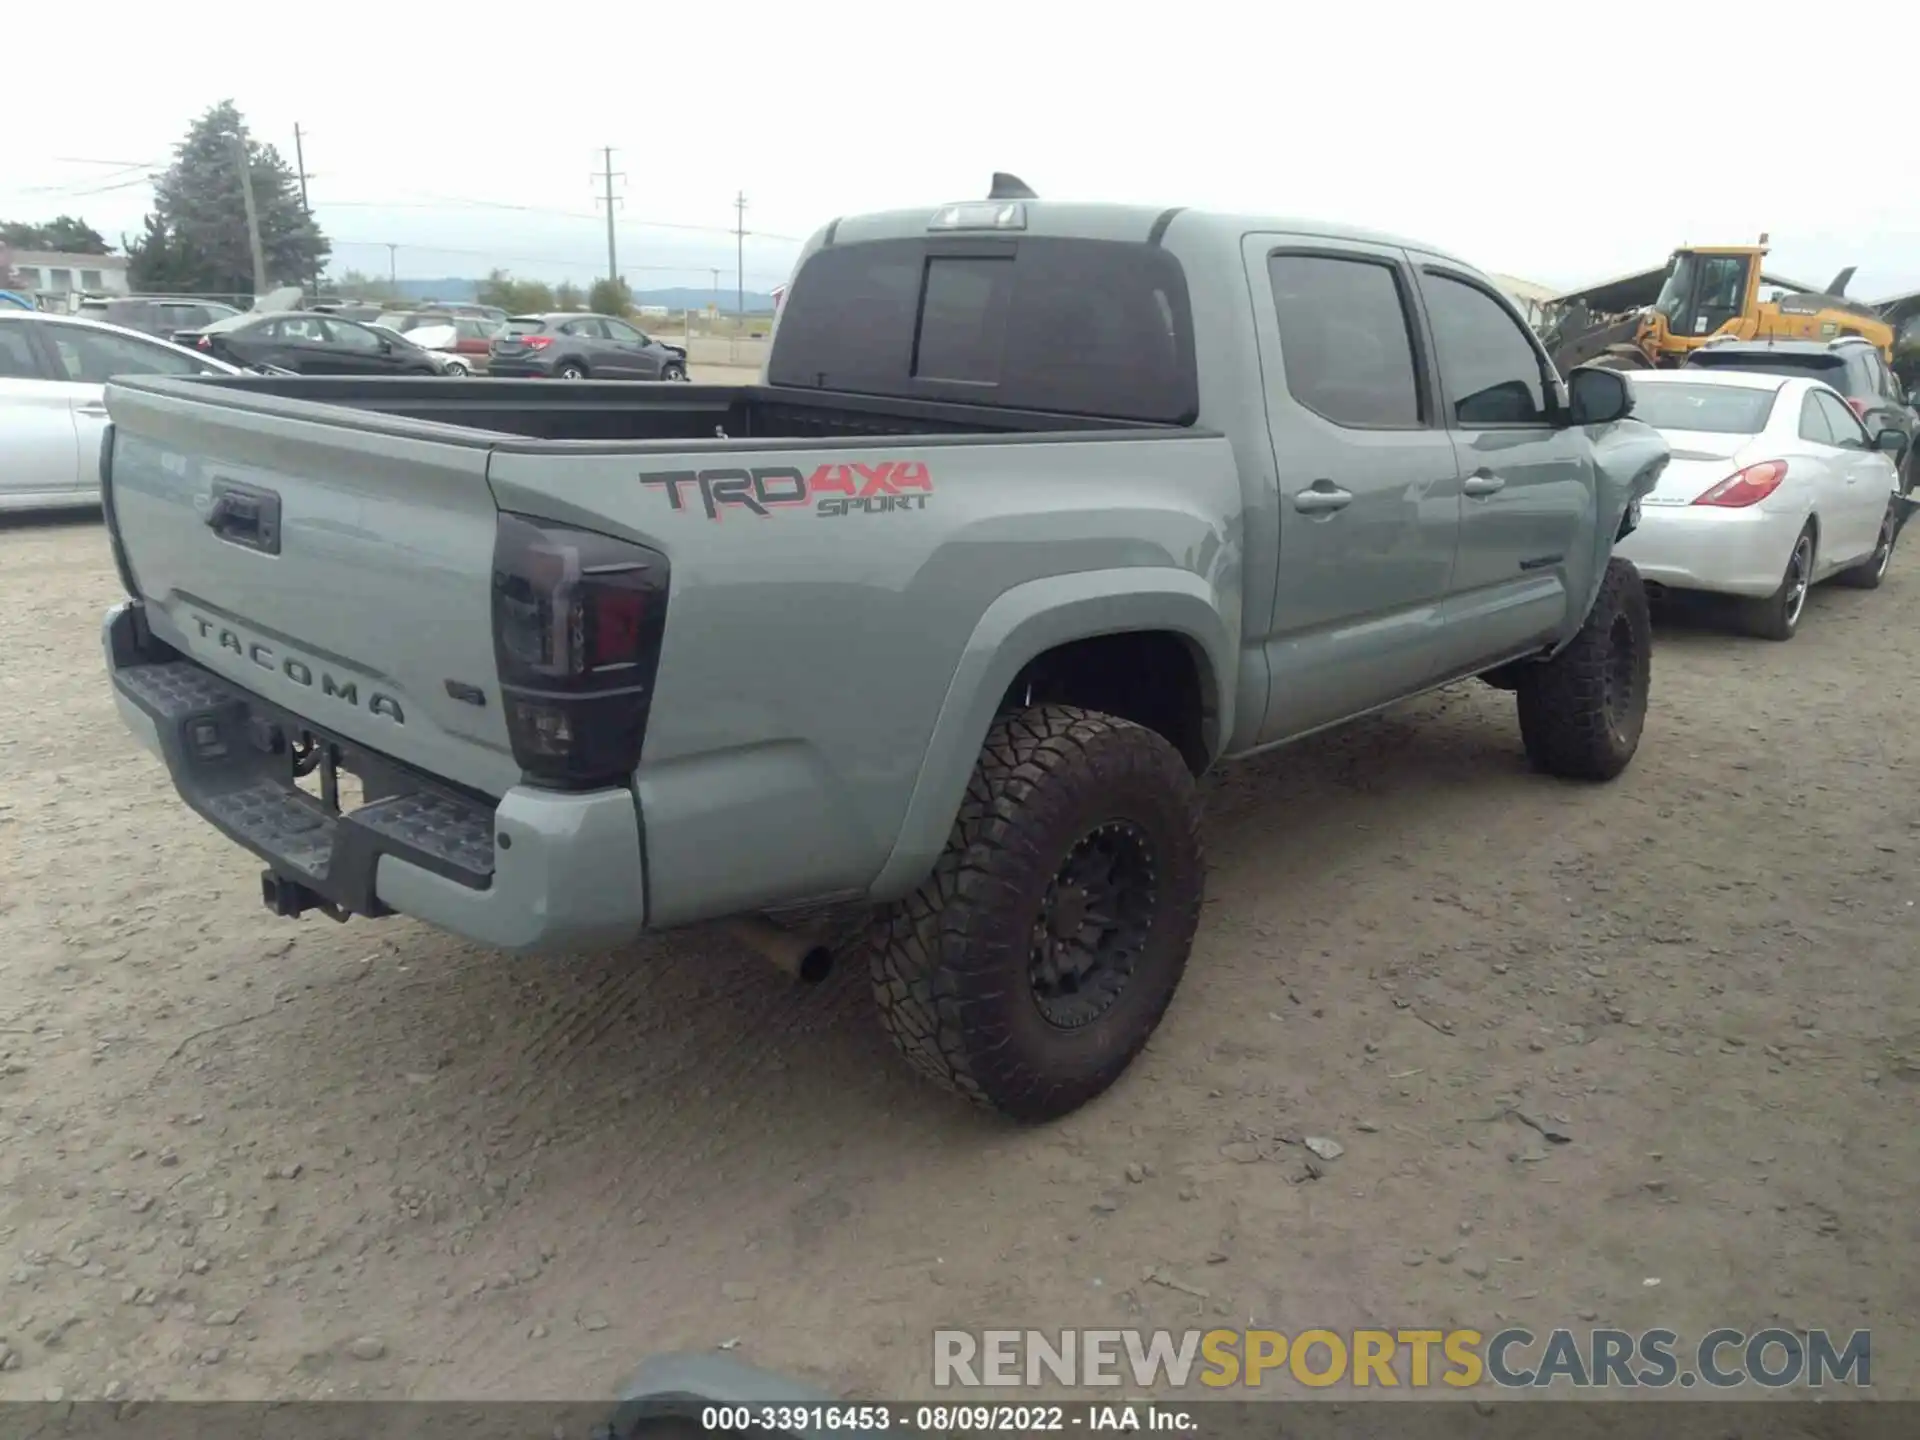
[299,671]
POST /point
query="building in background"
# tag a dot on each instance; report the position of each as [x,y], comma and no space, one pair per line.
[1529,297]
[54,276]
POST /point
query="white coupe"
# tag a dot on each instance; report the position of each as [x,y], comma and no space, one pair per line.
[1773,487]
[53,376]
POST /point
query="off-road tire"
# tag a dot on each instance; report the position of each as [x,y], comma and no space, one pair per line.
[1868,574]
[1778,616]
[1582,712]
[950,964]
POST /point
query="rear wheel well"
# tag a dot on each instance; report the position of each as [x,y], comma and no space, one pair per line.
[1151,677]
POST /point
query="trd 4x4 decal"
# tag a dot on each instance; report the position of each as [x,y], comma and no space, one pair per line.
[855,487]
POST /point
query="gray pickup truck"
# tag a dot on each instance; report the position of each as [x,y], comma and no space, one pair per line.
[1040,510]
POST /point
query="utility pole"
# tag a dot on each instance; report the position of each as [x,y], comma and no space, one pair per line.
[300,166]
[740,261]
[393,271]
[713,295]
[607,176]
[253,217]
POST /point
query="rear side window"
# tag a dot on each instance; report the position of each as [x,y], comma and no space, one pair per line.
[1096,328]
[1346,341]
[1848,432]
[1813,422]
[1491,370]
[1863,379]
[1714,409]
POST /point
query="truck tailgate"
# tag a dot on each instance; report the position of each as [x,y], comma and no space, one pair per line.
[339,571]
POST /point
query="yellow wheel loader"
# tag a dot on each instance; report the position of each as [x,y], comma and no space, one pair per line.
[1655,319]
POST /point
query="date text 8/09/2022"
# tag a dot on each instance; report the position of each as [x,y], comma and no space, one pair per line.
[837,488]
[948,1420]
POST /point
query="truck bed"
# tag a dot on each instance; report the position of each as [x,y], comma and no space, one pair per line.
[621,410]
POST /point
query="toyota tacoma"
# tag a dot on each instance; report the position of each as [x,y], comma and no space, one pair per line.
[1038,512]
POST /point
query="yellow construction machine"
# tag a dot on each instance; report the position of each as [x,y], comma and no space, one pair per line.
[1654,319]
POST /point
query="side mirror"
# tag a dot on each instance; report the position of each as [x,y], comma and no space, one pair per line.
[1913,397]
[1890,441]
[1598,396]
[386,347]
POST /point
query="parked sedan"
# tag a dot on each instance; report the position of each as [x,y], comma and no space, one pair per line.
[307,343]
[1774,486]
[1850,364]
[53,375]
[573,346]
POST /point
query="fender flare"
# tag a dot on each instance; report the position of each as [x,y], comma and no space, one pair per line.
[1022,624]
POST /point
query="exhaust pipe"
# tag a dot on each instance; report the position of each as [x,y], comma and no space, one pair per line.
[802,954]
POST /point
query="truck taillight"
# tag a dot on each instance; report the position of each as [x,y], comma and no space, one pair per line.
[577,624]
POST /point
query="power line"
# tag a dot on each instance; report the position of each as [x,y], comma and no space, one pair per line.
[767,277]
[75,192]
[454,202]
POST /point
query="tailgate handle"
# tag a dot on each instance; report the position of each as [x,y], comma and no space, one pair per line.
[242,515]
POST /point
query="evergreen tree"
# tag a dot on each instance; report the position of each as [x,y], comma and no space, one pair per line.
[65,234]
[196,236]
[610,297]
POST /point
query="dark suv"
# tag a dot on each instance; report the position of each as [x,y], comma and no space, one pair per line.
[1851,365]
[162,315]
[576,346]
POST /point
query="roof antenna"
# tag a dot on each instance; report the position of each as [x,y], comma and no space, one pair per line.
[1010,187]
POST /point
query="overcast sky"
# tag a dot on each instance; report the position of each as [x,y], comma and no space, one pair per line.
[1473,126]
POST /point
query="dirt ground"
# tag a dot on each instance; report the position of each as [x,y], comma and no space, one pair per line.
[238,1155]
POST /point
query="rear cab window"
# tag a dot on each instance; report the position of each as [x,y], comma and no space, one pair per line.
[1095,328]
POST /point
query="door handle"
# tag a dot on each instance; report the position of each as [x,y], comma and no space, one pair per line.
[1322,499]
[244,516]
[1483,484]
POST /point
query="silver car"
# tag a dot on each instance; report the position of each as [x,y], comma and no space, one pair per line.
[53,375]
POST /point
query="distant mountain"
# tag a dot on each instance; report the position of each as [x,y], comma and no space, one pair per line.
[685,297]
[452,290]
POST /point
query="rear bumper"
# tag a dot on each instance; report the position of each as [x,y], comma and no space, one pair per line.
[1724,552]
[519,369]
[537,870]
